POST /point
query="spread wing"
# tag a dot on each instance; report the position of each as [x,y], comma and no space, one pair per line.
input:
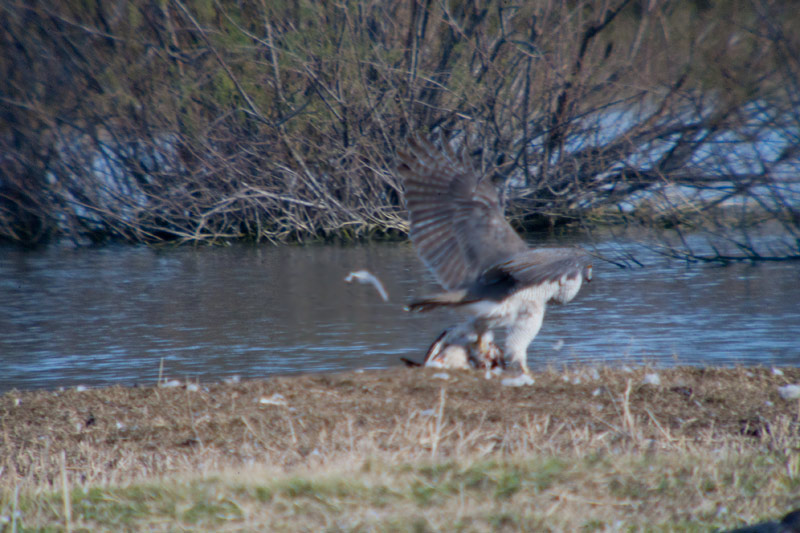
[534,267]
[457,223]
[531,268]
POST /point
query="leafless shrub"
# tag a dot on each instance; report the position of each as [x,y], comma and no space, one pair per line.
[206,122]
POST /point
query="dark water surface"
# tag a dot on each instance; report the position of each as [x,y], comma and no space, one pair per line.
[103,316]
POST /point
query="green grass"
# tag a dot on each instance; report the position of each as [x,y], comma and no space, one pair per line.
[633,491]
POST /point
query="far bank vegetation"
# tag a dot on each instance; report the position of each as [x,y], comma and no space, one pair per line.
[202,121]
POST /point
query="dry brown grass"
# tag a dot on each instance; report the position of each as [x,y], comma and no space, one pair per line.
[403,449]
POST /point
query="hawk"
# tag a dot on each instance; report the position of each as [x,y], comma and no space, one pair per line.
[459,231]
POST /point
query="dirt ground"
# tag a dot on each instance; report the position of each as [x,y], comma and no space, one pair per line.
[117,434]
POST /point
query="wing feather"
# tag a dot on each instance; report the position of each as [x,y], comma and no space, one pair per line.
[456,220]
[541,265]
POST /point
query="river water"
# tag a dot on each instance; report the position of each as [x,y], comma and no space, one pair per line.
[77,316]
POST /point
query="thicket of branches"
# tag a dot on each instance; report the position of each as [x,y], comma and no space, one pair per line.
[209,120]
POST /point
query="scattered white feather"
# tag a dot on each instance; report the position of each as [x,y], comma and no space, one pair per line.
[275,399]
[558,345]
[519,381]
[652,379]
[368,278]
[81,388]
[192,387]
[777,371]
[169,384]
[441,375]
[230,380]
[789,392]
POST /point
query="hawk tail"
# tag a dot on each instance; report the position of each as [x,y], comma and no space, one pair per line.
[443,299]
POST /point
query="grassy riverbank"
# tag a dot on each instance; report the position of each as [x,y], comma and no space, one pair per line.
[406,450]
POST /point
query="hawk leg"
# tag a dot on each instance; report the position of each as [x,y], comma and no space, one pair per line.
[520,334]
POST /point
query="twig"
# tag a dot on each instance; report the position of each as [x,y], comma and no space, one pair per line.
[65,493]
[437,433]
[14,509]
